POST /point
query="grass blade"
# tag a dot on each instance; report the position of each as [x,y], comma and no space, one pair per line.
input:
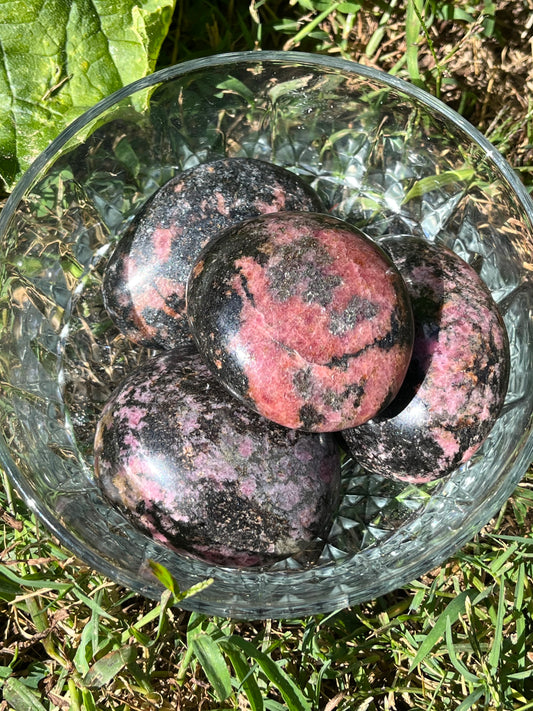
[271,705]
[92,604]
[214,665]
[471,700]
[495,651]
[106,668]
[307,29]
[166,578]
[32,581]
[88,700]
[86,649]
[468,676]
[434,182]
[521,624]
[163,575]
[451,613]
[247,681]
[522,540]
[498,563]
[8,589]
[290,692]
[19,697]
[412,36]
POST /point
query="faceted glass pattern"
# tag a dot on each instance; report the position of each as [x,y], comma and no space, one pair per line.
[385,156]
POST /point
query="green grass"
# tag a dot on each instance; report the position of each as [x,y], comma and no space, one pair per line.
[474,55]
[459,638]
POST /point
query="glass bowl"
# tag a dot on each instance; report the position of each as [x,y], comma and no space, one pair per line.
[383,155]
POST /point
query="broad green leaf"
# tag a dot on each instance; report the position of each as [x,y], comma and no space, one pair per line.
[19,697]
[349,7]
[214,665]
[5,672]
[58,58]
[451,12]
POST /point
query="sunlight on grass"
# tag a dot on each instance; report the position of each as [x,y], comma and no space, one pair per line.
[459,638]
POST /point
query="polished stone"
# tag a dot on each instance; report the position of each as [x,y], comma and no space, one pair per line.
[458,376]
[145,278]
[204,475]
[303,318]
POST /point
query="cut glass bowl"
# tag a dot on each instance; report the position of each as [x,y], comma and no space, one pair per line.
[383,155]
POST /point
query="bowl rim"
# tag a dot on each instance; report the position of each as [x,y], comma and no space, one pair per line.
[254,56]
[70,541]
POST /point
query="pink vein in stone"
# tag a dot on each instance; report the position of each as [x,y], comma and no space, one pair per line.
[451,388]
[277,204]
[132,415]
[280,338]
[162,242]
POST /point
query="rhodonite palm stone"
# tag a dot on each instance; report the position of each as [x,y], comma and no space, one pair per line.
[206,476]
[303,318]
[145,278]
[458,376]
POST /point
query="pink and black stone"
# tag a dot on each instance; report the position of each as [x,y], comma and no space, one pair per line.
[145,278]
[206,476]
[303,318]
[458,376]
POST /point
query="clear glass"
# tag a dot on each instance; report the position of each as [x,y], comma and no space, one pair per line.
[386,157]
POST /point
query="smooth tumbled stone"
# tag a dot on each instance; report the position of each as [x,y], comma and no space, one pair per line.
[303,318]
[458,376]
[145,278]
[204,475]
